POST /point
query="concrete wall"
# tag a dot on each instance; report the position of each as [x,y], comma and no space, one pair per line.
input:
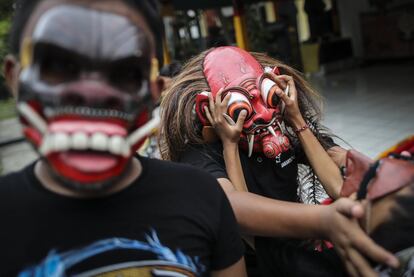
[349,11]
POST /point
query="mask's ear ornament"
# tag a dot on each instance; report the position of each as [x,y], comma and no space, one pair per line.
[200,105]
[26,53]
[208,133]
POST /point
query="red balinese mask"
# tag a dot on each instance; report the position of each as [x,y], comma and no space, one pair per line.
[84,93]
[251,88]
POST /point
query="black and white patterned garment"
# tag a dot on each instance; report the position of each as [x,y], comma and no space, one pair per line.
[406,258]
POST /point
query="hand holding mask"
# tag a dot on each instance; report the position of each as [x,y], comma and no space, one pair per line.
[228,130]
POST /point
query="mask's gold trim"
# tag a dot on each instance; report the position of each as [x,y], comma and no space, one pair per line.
[154,70]
[26,53]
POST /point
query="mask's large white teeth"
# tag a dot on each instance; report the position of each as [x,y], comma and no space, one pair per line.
[116,144]
[271,131]
[49,112]
[61,142]
[80,141]
[250,140]
[99,142]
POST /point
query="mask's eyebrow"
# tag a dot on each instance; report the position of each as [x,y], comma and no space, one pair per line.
[45,49]
[42,49]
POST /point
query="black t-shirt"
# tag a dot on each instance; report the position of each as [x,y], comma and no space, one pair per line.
[173,219]
[276,179]
[273,178]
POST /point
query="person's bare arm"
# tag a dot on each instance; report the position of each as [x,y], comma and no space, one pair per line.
[338,155]
[237,269]
[263,216]
[324,167]
[229,133]
[259,215]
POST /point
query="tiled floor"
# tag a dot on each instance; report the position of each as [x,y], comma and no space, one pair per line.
[371,108]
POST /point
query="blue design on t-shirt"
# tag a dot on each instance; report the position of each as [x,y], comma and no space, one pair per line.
[56,264]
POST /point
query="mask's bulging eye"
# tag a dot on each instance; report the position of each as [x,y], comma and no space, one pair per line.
[237,103]
[268,93]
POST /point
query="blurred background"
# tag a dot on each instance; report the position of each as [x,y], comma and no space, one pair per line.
[359,54]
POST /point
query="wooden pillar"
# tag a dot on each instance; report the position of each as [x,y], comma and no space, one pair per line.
[240,25]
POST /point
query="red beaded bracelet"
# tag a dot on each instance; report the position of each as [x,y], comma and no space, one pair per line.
[301,129]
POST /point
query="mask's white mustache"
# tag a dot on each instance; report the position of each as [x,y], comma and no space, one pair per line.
[145,129]
[32,117]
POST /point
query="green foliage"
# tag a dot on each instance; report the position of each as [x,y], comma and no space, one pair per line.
[7,108]
[4,34]
[6,10]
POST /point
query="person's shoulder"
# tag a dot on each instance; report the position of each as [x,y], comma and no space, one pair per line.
[181,174]
[13,182]
[204,149]
[11,178]
[168,168]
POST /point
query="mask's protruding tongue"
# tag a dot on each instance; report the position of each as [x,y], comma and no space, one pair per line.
[274,145]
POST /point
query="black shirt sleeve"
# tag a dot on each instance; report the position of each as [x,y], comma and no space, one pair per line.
[207,157]
[229,247]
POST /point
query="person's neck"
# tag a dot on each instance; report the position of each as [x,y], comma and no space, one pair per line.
[47,180]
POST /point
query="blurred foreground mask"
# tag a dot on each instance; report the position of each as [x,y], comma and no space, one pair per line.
[252,89]
[372,180]
[84,93]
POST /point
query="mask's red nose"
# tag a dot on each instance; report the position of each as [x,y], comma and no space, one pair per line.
[274,145]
